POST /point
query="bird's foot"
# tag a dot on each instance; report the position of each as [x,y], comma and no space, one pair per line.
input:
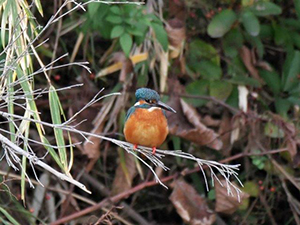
[153,150]
[135,146]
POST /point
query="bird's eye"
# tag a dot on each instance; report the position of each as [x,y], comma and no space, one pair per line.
[149,101]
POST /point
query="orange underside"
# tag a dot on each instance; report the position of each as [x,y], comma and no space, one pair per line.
[146,128]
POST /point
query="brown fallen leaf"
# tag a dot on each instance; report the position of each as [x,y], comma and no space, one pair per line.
[292,147]
[186,123]
[124,175]
[92,147]
[119,65]
[176,35]
[190,205]
[207,120]
[178,10]
[264,65]
[225,133]
[249,61]
[236,129]
[290,134]
[127,66]
[226,203]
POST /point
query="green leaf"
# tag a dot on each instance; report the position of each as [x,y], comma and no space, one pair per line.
[259,46]
[233,99]
[135,31]
[4,18]
[116,10]
[199,87]
[259,161]
[232,42]
[27,89]
[52,152]
[220,89]
[242,80]
[280,35]
[212,194]
[266,9]
[247,2]
[201,50]
[39,6]
[295,100]
[296,38]
[291,71]
[282,106]
[290,23]
[126,43]
[117,31]
[130,9]
[8,216]
[221,23]
[266,31]
[272,79]
[55,111]
[251,188]
[257,43]
[250,23]
[297,7]
[114,19]
[274,131]
[161,35]
[209,70]
[92,9]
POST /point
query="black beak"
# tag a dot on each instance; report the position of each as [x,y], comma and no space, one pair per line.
[164,106]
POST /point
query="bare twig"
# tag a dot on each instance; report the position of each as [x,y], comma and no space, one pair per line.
[13,149]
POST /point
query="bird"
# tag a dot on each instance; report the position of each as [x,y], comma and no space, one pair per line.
[146,122]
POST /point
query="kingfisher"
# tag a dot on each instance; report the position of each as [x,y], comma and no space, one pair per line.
[146,123]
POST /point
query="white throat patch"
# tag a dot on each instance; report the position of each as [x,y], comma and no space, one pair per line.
[152,109]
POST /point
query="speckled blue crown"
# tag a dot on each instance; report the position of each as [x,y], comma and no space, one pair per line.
[146,93]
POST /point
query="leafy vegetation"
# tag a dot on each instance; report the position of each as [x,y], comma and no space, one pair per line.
[229,68]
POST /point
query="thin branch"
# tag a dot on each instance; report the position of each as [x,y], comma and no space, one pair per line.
[13,148]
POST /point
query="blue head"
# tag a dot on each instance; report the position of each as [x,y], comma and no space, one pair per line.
[150,98]
[147,98]
[147,95]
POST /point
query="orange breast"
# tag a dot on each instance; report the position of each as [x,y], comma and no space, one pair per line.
[147,128]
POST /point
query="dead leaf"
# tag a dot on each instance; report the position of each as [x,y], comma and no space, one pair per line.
[92,147]
[296,160]
[127,66]
[186,123]
[178,10]
[190,205]
[249,61]
[226,203]
[243,98]
[235,133]
[225,133]
[292,147]
[124,175]
[119,65]
[290,134]
[210,122]
[264,65]
[163,58]
[176,35]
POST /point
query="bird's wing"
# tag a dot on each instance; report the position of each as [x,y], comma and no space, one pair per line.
[129,112]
